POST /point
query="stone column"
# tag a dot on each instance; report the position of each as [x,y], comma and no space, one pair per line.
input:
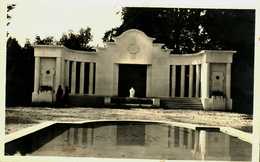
[90,135]
[67,73]
[228,80]
[207,66]
[82,72]
[171,137]
[62,73]
[196,149]
[58,73]
[182,80]
[191,81]
[202,144]
[148,81]
[91,75]
[37,74]
[80,136]
[115,79]
[190,146]
[181,137]
[73,78]
[71,136]
[197,80]
[173,80]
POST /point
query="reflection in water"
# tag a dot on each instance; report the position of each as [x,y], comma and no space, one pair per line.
[131,140]
[130,134]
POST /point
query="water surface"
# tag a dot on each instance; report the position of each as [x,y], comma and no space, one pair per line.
[131,140]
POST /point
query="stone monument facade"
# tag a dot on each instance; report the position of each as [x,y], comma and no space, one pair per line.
[205,75]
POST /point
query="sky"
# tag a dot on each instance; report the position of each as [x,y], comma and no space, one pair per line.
[54,17]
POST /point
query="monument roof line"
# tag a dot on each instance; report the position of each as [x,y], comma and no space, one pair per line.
[130,39]
[48,46]
[79,51]
[154,44]
[129,31]
[206,51]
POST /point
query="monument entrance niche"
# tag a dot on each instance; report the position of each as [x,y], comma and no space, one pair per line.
[132,76]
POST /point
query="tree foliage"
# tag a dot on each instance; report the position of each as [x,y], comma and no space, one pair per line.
[19,73]
[179,29]
[45,41]
[77,41]
[188,30]
[232,30]
[109,35]
[9,8]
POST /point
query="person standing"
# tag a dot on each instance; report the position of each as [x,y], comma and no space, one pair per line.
[66,96]
[59,96]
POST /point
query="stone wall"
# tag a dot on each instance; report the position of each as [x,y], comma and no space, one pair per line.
[212,68]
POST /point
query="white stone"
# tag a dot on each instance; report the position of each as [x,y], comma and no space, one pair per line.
[107,100]
[82,70]
[131,92]
[133,47]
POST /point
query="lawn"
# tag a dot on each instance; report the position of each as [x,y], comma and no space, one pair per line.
[21,117]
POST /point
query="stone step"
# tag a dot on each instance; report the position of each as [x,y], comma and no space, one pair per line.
[182,103]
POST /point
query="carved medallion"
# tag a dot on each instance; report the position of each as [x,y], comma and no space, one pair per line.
[133,48]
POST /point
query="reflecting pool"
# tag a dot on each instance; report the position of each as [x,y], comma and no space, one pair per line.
[140,140]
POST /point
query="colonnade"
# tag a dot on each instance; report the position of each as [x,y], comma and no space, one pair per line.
[66,75]
[79,136]
[181,137]
[71,75]
[182,80]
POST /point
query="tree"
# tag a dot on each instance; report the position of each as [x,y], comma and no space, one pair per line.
[77,41]
[231,30]
[19,73]
[45,41]
[177,28]
[9,8]
[109,35]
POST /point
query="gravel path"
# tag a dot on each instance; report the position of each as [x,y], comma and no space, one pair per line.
[21,117]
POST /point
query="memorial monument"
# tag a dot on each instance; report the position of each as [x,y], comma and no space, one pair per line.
[134,60]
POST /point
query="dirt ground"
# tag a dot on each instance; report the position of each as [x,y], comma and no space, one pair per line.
[21,117]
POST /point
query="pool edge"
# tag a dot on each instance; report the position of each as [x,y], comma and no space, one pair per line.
[245,136]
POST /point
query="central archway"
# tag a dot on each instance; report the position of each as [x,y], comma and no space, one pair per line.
[132,75]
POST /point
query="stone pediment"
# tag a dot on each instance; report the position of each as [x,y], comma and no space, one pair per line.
[133,46]
[133,34]
[134,41]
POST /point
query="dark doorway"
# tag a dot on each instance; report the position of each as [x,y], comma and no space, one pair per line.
[132,76]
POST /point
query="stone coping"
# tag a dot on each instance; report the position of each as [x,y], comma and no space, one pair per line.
[245,136]
[227,130]
[26,131]
[32,129]
[156,44]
